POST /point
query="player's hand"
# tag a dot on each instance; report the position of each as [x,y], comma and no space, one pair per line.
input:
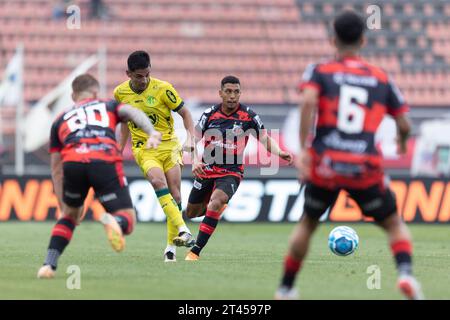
[154,140]
[286,156]
[197,169]
[188,145]
[304,165]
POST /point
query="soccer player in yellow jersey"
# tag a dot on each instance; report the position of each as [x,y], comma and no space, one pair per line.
[161,166]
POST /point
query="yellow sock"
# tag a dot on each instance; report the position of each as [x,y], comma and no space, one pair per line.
[170,208]
[172,232]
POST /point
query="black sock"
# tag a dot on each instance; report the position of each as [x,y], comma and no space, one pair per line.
[207,228]
[402,252]
[61,236]
[403,261]
[123,223]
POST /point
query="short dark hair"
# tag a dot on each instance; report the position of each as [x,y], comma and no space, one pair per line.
[349,27]
[230,79]
[138,60]
[84,82]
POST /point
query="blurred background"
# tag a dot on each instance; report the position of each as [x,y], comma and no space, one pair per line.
[194,44]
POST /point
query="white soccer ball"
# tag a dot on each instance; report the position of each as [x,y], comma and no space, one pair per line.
[343,241]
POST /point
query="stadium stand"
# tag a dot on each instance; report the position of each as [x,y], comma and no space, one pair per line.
[195,43]
[266,43]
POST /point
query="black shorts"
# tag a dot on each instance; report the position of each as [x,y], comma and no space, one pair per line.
[203,188]
[377,201]
[107,179]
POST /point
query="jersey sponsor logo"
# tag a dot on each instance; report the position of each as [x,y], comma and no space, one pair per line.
[348,169]
[237,129]
[335,141]
[324,168]
[171,96]
[341,78]
[151,100]
[220,144]
[82,149]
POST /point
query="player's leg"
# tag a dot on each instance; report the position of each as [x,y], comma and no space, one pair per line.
[111,189]
[75,189]
[173,177]
[224,189]
[172,162]
[157,178]
[317,200]
[199,197]
[379,202]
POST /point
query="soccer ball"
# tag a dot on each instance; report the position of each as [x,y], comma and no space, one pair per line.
[343,241]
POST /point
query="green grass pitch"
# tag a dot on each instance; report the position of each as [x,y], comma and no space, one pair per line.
[241,261]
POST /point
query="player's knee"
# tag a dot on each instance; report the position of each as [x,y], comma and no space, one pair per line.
[309,222]
[216,204]
[158,183]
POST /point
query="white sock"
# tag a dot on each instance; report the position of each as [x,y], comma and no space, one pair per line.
[171,248]
[184,229]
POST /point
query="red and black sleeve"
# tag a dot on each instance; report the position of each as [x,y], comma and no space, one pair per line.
[55,142]
[311,78]
[257,124]
[395,102]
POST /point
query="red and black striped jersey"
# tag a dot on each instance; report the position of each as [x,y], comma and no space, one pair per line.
[225,138]
[86,132]
[354,96]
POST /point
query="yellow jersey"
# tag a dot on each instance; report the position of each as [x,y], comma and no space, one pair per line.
[157,101]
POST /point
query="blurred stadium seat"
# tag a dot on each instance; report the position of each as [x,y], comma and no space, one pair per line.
[193,44]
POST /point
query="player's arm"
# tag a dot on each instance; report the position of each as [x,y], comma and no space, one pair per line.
[199,130]
[124,135]
[273,147]
[124,131]
[307,111]
[129,113]
[55,147]
[398,109]
[57,176]
[173,101]
[403,130]
[197,164]
[190,144]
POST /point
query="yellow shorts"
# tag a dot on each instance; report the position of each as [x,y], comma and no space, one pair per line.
[166,156]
